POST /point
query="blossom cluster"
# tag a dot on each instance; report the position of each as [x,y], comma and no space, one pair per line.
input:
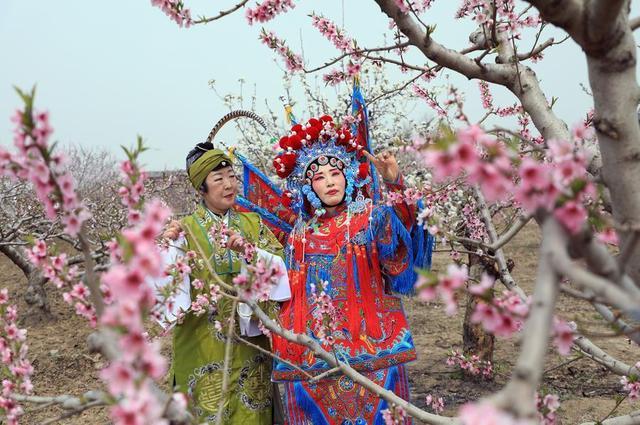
[175,10]
[564,334]
[16,367]
[429,98]
[334,77]
[560,186]
[258,282]
[507,17]
[442,214]
[267,10]
[447,286]
[487,102]
[325,314]
[331,31]
[35,161]
[394,415]
[57,270]
[413,5]
[409,196]
[502,317]
[474,224]
[547,407]
[631,385]
[484,413]
[135,257]
[132,189]
[436,404]
[292,60]
[472,364]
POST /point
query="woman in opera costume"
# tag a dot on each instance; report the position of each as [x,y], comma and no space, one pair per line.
[357,252]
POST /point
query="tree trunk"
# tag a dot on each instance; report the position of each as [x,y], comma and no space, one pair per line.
[35,295]
[475,340]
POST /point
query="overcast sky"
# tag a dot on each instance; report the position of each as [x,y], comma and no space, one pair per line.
[109,70]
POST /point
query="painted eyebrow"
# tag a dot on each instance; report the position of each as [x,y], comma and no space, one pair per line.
[219,174]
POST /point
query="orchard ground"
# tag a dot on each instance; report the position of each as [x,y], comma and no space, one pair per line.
[587,391]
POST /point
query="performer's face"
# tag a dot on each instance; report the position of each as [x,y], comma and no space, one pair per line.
[329,183]
[222,188]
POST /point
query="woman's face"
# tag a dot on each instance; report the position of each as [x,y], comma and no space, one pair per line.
[329,184]
[222,188]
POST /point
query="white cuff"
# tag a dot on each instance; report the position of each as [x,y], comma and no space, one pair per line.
[182,299]
[281,291]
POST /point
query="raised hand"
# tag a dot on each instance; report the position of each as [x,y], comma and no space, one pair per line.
[235,241]
[172,231]
[386,164]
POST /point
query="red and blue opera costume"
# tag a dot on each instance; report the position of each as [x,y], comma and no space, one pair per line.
[360,255]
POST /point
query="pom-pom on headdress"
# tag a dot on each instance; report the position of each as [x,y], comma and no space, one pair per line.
[305,148]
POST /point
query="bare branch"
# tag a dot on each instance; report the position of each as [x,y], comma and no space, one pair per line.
[601,287]
[596,353]
[505,275]
[518,396]
[499,74]
[600,261]
[17,258]
[632,418]
[73,405]
[272,355]
[220,15]
[357,52]
[503,239]
[627,330]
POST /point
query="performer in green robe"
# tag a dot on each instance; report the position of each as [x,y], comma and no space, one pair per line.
[199,340]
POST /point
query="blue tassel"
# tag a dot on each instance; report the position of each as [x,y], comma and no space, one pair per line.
[403,283]
[418,239]
[308,405]
[423,244]
[389,384]
[431,245]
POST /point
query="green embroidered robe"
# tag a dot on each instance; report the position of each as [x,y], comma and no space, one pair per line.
[199,348]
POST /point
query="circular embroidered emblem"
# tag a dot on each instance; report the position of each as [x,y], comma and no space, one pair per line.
[346,384]
[255,383]
[205,387]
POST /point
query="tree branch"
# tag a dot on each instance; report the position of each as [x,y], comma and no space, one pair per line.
[356,52]
[518,396]
[632,418]
[499,74]
[601,287]
[17,258]
[505,275]
[597,354]
[222,14]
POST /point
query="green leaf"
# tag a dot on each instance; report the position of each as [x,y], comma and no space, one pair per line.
[578,185]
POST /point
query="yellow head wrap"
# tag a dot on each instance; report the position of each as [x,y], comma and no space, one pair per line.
[202,166]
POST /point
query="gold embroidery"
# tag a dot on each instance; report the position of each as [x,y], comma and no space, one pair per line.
[209,390]
[258,385]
